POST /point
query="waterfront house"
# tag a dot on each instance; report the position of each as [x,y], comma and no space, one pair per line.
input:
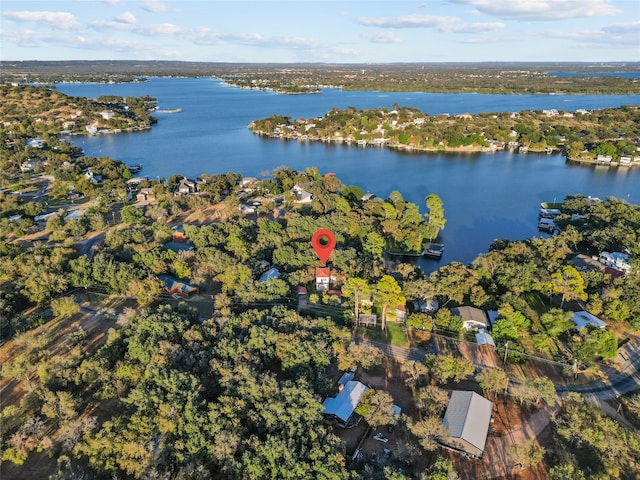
[186,187]
[144,195]
[472,317]
[35,143]
[467,419]
[302,196]
[426,305]
[400,313]
[617,260]
[604,159]
[93,177]
[30,165]
[107,114]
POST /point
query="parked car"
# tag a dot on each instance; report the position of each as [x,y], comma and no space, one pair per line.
[381,438]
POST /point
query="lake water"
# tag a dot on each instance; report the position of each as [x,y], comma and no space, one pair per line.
[485,196]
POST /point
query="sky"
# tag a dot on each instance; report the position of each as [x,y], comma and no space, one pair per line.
[347,31]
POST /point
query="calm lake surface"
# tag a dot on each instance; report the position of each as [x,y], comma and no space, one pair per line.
[486,196]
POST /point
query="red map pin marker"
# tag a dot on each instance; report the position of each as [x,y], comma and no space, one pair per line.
[323,242]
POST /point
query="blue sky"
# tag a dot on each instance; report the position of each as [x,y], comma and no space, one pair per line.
[348,31]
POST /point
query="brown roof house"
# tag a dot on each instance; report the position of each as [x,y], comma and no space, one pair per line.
[472,317]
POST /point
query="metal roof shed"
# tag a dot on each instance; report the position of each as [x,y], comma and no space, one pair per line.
[343,405]
[467,418]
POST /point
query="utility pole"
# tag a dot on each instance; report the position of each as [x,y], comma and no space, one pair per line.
[506,350]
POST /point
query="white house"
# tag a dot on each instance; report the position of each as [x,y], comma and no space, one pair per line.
[472,317]
[301,194]
[617,260]
[323,278]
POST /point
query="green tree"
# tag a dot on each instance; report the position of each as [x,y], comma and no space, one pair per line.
[389,295]
[358,289]
[429,431]
[64,307]
[445,368]
[376,406]
[132,214]
[435,217]
[492,380]
[568,282]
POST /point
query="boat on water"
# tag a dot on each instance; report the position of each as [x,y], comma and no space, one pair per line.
[432,249]
[134,168]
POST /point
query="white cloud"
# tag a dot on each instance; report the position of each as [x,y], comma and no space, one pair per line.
[156,6]
[55,20]
[37,39]
[382,37]
[142,29]
[126,17]
[408,21]
[624,28]
[440,23]
[542,9]
[473,27]
[208,36]
[606,37]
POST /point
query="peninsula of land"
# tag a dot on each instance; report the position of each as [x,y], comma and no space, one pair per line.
[607,137]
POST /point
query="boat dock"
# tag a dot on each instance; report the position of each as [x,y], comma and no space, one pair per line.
[434,250]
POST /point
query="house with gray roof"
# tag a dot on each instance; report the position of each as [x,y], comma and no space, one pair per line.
[467,419]
[472,317]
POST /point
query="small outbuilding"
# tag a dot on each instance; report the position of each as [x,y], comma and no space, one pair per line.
[582,318]
[270,274]
[467,419]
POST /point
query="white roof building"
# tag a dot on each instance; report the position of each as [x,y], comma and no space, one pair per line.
[581,319]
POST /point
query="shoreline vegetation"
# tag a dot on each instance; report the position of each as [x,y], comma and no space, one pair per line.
[601,137]
[489,77]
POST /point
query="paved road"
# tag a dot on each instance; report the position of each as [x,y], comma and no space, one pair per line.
[617,383]
[88,244]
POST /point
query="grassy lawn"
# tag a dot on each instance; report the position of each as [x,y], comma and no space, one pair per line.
[536,302]
[395,334]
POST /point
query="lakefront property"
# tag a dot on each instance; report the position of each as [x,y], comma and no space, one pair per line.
[412,130]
